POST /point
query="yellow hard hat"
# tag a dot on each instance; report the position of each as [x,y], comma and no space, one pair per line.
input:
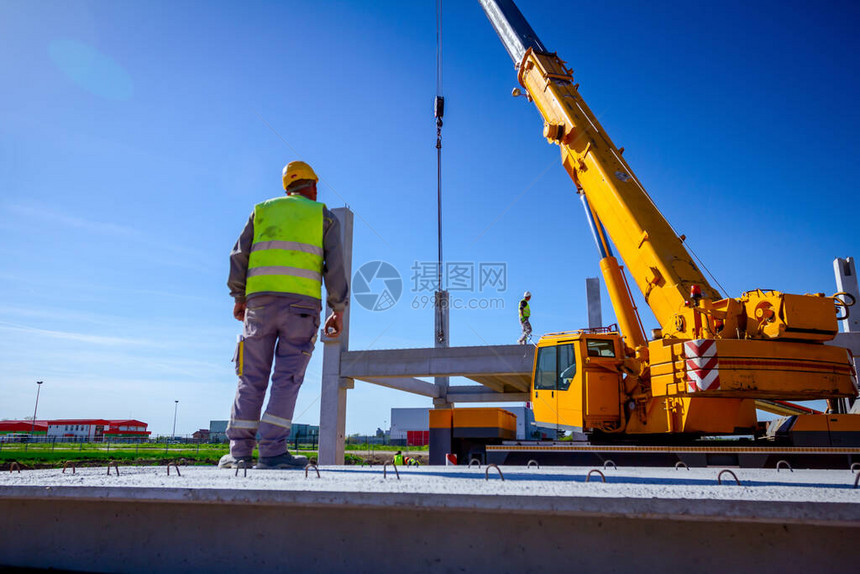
[296,170]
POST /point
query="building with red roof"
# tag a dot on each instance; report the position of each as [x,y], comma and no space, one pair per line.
[78,430]
[11,431]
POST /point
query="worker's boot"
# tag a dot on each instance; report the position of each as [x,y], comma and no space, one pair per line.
[229,461]
[283,461]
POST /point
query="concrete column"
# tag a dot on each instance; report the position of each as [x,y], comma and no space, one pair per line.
[592,294]
[846,281]
[441,339]
[334,387]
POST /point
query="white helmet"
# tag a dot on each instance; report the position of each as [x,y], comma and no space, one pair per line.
[527,294]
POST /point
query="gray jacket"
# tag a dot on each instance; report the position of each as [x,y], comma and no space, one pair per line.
[334,274]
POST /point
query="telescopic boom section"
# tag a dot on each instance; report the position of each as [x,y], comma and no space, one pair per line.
[662,268]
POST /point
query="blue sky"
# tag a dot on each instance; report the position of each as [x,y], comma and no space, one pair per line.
[136,137]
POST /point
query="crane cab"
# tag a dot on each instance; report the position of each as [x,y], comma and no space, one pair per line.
[576,383]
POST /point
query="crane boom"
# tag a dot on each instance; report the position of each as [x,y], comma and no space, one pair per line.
[657,260]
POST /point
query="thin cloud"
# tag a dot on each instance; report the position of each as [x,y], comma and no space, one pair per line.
[32,213]
[77,337]
[29,213]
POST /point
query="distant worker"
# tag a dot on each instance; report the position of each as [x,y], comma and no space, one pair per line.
[398,458]
[290,244]
[525,313]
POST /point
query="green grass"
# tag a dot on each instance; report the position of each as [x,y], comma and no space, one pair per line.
[42,455]
[47,454]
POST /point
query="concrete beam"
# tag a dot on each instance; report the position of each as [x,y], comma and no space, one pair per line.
[511,364]
[481,394]
[172,529]
[408,384]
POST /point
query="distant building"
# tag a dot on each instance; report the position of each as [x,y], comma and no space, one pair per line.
[406,424]
[201,435]
[218,431]
[81,430]
[12,431]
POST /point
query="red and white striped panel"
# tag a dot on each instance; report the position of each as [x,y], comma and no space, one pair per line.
[703,373]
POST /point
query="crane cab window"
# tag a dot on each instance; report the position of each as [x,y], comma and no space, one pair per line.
[556,368]
[566,366]
[600,348]
[546,368]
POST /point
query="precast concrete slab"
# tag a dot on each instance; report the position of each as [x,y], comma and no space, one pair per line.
[453,519]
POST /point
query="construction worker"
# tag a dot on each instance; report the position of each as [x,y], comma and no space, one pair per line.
[398,458]
[525,313]
[290,244]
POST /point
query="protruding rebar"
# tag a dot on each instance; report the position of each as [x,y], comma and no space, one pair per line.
[385,470]
[487,472]
[722,472]
[592,471]
[241,464]
[312,466]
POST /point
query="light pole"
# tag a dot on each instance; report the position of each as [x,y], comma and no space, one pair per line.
[38,389]
[173,434]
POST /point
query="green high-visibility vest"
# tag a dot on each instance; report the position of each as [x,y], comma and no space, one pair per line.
[287,252]
[525,311]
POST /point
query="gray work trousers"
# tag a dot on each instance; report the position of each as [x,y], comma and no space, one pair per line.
[282,328]
[527,330]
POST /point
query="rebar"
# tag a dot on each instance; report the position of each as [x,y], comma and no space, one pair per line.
[241,464]
[487,472]
[592,471]
[722,472]
[385,470]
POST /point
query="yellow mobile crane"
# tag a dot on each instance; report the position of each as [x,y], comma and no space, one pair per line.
[702,372]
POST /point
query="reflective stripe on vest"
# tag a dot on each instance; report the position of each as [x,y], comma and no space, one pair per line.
[287,251]
[525,312]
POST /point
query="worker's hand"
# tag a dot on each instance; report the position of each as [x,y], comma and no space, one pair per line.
[239,311]
[334,325]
